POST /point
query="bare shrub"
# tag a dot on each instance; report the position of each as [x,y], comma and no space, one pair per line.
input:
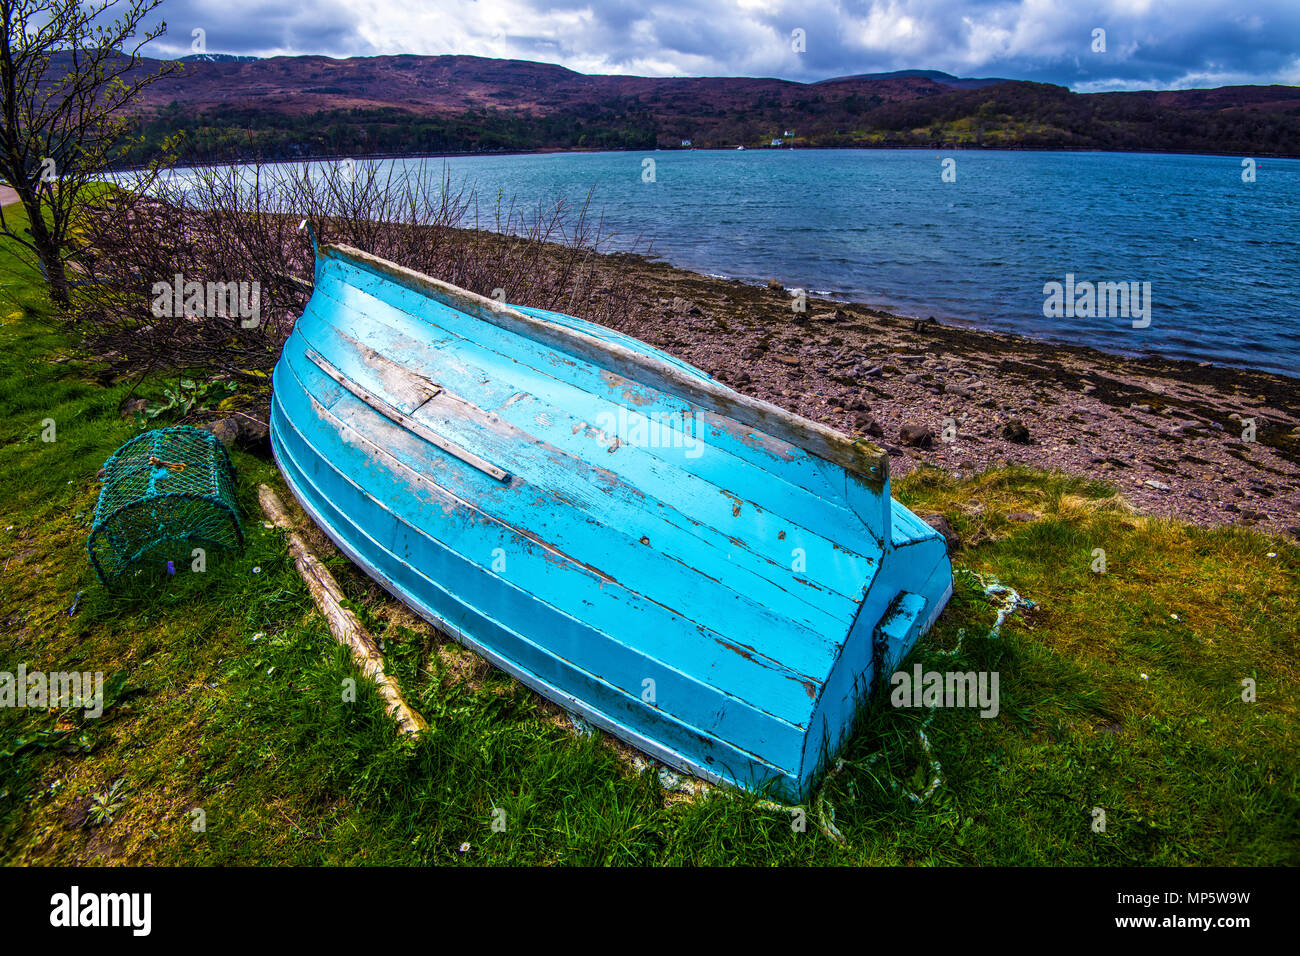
[232,224]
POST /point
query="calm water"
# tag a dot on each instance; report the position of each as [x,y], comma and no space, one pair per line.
[881,227]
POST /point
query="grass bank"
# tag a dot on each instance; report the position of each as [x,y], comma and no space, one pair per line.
[225,739]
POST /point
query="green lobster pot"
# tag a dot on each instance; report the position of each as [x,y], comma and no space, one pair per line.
[165,493]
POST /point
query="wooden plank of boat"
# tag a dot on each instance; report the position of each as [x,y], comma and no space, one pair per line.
[406,421]
[714,579]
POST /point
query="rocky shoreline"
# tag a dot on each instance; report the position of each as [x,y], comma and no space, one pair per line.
[1173,436]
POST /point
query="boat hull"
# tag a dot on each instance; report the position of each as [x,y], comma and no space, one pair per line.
[664,598]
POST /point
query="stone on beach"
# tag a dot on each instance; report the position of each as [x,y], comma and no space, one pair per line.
[940,524]
[226,429]
[242,430]
[918,436]
[867,425]
[1016,431]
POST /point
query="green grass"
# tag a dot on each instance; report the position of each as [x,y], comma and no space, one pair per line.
[226,696]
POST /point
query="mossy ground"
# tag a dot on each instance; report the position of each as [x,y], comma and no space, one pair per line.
[1120,691]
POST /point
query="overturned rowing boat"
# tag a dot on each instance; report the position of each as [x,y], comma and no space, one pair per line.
[713,579]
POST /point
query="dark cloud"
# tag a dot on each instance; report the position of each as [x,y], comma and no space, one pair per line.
[1148,44]
[264,28]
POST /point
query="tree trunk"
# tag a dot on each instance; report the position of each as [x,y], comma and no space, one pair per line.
[56,277]
[47,250]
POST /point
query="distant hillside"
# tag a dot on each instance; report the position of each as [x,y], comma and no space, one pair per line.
[284,107]
[218,58]
[946,79]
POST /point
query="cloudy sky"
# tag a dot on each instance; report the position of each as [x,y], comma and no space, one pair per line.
[1149,44]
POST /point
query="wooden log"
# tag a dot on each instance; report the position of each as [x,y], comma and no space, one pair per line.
[343,624]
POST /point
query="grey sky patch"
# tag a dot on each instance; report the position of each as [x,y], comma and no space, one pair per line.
[1174,45]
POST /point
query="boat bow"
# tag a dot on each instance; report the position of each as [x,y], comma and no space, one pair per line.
[711,577]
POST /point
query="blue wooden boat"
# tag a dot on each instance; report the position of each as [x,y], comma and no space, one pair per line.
[711,578]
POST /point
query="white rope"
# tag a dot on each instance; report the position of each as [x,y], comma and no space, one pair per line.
[1008,601]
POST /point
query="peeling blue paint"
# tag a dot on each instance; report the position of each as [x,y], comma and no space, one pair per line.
[719,605]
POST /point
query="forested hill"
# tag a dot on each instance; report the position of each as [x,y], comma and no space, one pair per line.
[287,107]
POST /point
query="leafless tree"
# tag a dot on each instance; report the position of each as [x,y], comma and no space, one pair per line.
[67,69]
